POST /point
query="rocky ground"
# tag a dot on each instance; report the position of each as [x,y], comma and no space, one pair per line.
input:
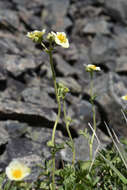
[97,31]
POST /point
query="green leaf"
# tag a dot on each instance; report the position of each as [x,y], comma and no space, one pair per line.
[50,144]
[85,165]
[52,186]
[123,179]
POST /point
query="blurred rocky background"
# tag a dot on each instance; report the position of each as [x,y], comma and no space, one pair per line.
[97,31]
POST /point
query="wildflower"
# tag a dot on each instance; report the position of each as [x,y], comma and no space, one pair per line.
[51,36]
[124,97]
[36,36]
[62,90]
[90,68]
[61,39]
[16,170]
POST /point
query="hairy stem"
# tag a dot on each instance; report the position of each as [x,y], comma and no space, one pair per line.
[69,133]
[58,115]
[94,115]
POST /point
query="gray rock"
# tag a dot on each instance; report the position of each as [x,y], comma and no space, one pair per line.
[81,148]
[72,53]
[38,97]
[17,109]
[95,26]
[11,129]
[30,19]
[103,49]
[14,128]
[17,65]
[7,5]
[57,20]
[42,135]
[3,73]
[120,39]
[63,67]
[9,20]
[83,59]
[70,83]
[21,147]
[34,4]
[83,115]
[8,46]
[86,11]
[109,92]
[4,136]
[23,3]
[117,9]
[121,64]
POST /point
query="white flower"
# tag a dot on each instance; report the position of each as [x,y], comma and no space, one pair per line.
[17,171]
[61,39]
[124,97]
[51,35]
[91,67]
[36,35]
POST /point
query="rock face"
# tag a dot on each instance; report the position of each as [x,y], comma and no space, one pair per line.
[57,19]
[117,9]
[97,34]
[103,49]
[96,26]
[110,97]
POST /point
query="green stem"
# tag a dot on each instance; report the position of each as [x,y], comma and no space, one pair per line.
[53,171]
[57,98]
[69,134]
[53,71]
[53,141]
[58,115]
[94,115]
[56,122]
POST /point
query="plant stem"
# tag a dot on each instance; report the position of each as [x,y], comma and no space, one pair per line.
[56,122]
[58,115]
[57,98]
[69,133]
[53,171]
[53,141]
[94,115]
[53,71]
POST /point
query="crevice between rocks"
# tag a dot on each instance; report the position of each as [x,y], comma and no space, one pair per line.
[104,119]
[3,85]
[36,121]
[2,148]
[122,73]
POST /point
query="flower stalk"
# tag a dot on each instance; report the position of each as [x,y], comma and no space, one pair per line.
[94,114]
[58,38]
[67,122]
[58,115]
[91,69]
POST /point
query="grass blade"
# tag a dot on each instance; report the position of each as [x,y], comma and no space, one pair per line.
[123,179]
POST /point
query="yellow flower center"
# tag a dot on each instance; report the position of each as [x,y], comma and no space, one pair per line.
[125,97]
[62,38]
[93,67]
[17,173]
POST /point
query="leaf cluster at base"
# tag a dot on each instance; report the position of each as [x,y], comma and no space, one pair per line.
[80,177]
